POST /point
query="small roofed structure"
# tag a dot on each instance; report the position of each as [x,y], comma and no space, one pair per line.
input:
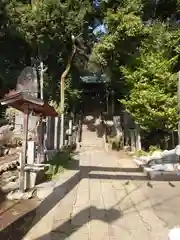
[23,101]
[27,103]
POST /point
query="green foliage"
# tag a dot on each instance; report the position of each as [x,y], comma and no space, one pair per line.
[10,114]
[152,100]
[72,94]
[58,163]
[42,30]
[153,149]
[141,53]
[152,108]
[55,106]
[140,153]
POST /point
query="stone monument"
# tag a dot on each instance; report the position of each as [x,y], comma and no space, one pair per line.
[27,82]
[25,99]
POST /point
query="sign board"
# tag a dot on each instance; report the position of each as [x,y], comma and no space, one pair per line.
[93,79]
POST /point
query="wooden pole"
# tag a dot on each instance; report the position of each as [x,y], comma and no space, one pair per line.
[40,158]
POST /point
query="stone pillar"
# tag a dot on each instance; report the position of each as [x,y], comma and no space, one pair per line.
[50,133]
[57,133]
[30,175]
[41,132]
[31,151]
[138,138]
[70,132]
[132,136]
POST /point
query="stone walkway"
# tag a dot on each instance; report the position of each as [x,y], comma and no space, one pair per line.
[101,197]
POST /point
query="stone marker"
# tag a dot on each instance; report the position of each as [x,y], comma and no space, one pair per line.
[27,82]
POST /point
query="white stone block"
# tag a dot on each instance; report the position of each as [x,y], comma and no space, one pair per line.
[31,152]
[174,234]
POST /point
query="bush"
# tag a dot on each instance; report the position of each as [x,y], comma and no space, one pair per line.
[58,163]
[10,114]
[140,153]
[153,149]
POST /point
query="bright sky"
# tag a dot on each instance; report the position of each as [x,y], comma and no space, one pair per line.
[100,29]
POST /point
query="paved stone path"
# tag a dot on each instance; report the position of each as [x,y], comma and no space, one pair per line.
[103,198]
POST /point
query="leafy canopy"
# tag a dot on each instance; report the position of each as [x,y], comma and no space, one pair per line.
[141,53]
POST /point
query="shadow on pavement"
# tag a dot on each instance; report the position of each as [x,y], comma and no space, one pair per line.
[19,228]
[72,225]
[117,177]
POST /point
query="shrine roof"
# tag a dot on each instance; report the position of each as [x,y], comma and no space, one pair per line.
[20,101]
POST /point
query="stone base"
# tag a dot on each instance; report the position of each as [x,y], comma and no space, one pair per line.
[10,186]
[17,195]
[162,175]
[45,189]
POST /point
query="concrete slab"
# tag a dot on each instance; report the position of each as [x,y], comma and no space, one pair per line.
[105,199]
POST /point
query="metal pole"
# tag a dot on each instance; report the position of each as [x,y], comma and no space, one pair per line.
[62,114]
[179,107]
[24,150]
[41,80]
[42,71]
[40,159]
